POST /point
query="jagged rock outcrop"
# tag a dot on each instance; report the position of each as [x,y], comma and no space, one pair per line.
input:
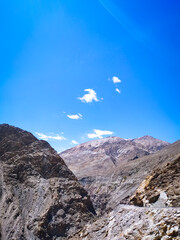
[161,188]
[40,198]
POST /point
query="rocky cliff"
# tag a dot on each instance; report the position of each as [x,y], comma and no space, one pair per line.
[40,198]
[161,188]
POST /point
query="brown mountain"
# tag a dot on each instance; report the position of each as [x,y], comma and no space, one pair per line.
[158,195]
[40,198]
[111,168]
[101,157]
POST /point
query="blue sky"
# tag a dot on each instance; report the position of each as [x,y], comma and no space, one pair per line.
[52,51]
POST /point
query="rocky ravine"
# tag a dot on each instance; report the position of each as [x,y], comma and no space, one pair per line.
[40,198]
[112,168]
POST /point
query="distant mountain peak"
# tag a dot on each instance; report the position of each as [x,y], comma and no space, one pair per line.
[101,156]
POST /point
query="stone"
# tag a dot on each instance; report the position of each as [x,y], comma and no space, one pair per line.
[160,189]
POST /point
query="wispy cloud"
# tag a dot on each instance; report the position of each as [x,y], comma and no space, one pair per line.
[116,80]
[127,23]
[45,137]
[99,133]
[74,142]
[76,116]
[89,97]
[117,90]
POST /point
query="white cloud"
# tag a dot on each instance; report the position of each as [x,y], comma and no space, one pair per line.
[89,97]
[117,90]
[74,142]
[76,116]
[99,133]
[116,80]
[45,137]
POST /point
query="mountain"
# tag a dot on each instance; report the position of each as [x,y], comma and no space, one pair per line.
[112,168]
[40,198]
[156,214]
[102,157]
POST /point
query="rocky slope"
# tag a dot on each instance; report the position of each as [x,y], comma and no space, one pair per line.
[134,223]
[161,188]
[40,198]
[112,168]
[158,218]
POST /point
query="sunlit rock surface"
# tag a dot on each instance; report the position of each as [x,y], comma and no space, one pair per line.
[134,223]
[161,188]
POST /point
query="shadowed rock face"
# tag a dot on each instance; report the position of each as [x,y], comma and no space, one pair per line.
[40,198]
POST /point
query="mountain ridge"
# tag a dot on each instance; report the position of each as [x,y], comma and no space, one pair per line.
[98,142]
[107,153]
